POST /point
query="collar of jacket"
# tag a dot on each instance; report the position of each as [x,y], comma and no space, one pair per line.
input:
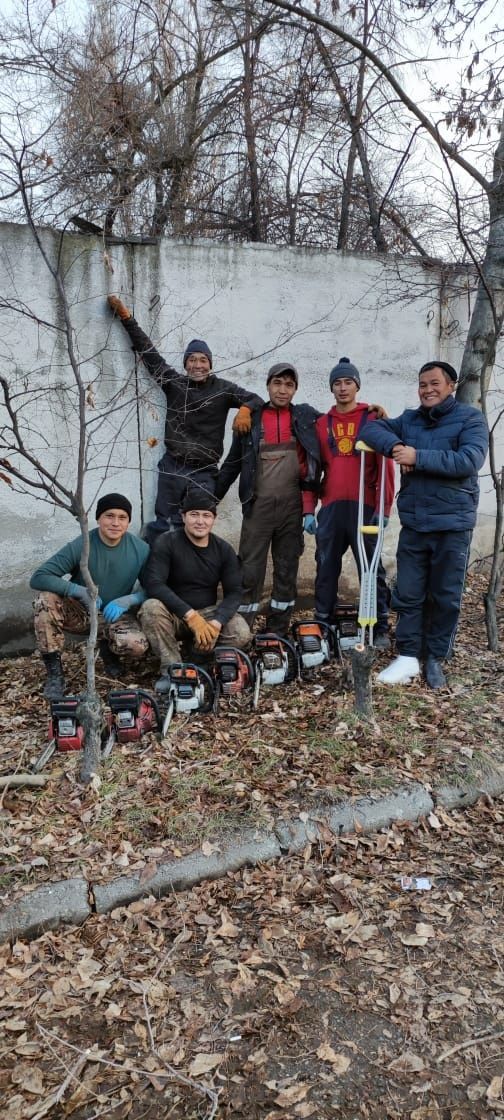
[439,410]
[200,384]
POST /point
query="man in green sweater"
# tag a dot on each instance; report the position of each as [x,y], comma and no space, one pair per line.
[117,560]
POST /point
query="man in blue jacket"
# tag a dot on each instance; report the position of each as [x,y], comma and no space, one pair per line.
[439,447]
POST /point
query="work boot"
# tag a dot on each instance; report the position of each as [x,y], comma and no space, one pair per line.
[54,688]
[163,684]
[400,671]
[111,663]
[433,673]
[382,642]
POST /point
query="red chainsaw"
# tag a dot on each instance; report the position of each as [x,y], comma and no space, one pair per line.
[232,672]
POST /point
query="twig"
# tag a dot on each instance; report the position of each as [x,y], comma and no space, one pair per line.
[58,1094]
[23,780]
[469,1042]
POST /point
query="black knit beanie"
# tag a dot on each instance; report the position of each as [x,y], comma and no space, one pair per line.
[281,368]
[448,369]
[197,498]
[113,501]
[197,346]
[344,368]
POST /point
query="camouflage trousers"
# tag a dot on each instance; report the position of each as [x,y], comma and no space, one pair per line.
[166,632]
[54,614]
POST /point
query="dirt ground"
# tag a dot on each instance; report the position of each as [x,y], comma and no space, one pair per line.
[315,987]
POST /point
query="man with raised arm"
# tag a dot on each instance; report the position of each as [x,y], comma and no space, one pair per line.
[182,580]
[440,447]
[116,561]
[197,405]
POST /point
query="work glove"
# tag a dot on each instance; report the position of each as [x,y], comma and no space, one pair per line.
[118,607]
[118,307]
[242,422]
[310,523]
[77,591]
[378,411]
[205,635]
[375,520]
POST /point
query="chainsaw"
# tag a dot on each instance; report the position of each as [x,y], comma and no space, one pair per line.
[275,662]
[345,627]
[130,714]
[314,643]
[190,689]
[66,732]
[232,672]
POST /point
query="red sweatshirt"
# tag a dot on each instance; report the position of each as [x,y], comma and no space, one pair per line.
[337,433]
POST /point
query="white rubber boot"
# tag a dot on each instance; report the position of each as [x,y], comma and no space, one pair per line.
[400,671]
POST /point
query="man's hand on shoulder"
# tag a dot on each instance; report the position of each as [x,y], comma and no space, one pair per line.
[377,412]
[242,422]
[119,308]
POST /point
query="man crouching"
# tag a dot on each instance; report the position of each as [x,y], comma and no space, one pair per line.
[116,562]
[182,578]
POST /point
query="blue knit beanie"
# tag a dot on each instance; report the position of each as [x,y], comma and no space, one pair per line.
[344,368]
[197,346]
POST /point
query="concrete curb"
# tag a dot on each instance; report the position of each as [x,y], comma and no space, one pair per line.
[72,901]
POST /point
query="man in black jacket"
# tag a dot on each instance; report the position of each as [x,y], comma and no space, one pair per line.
[197,404]
[277,463]
[182,577]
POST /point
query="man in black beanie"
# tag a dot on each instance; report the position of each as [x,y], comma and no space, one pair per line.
[197,404]
[116,561]
[182,579]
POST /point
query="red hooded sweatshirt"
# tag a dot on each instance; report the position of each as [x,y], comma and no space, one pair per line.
[337,433]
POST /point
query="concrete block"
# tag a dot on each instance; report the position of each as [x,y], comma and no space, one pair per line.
[45,908]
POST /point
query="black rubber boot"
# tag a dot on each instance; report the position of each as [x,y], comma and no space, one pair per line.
[433,673]
[382,641]
[54,688]
[111,663]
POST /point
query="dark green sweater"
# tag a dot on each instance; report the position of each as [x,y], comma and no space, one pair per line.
[115,570]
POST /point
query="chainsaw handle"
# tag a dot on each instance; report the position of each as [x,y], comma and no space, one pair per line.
[241,652]
[207,706]
[154,704]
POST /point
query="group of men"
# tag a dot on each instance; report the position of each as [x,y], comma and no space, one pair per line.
[163,592]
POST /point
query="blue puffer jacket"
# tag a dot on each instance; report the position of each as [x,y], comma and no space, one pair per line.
[451,442]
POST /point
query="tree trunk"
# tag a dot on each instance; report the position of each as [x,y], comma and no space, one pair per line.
[363,658]
[488,312]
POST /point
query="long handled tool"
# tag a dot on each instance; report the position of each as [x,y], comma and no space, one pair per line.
[368,614]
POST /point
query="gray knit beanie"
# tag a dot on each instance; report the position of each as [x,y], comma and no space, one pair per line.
[344,368]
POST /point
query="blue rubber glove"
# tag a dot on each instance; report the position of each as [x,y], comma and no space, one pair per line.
[375,520]
[77,591]
[310,523]
[118,607]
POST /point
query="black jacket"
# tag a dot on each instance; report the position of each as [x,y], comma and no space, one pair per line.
[183,576]
[244,452]
[196,411]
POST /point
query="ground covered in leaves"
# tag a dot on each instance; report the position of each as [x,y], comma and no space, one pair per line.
[315,987]
[215,775]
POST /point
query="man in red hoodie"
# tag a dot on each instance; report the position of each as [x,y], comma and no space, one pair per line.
[337,433]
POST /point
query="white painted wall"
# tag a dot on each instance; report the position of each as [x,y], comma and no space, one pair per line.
[253,304]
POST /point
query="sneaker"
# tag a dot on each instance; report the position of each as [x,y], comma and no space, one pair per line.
[400,671]
[382,642]
[433,673]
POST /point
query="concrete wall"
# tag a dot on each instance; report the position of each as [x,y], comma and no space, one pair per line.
[254,304]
